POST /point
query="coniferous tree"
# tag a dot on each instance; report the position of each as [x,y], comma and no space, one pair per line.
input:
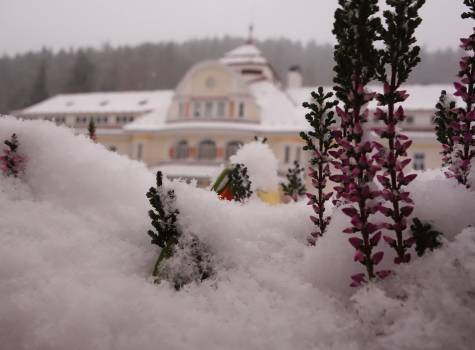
[39,91]
[91,130]
[11,163]
[456,130]
[356,28]
[319,142]
[397,59]
[82,74]
[294,188]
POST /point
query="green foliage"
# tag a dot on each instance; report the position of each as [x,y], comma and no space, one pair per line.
[425,237]
[91,129]
[443,118]
[183,257]
[239,183]
[294,187]
[398,36]
[471,13]
[319,141]
[321,117]
[356,28]
[164,220]
[11,163]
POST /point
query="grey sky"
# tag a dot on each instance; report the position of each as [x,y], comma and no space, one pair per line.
[31,24]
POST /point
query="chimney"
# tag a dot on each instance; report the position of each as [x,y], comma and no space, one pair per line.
[294,77]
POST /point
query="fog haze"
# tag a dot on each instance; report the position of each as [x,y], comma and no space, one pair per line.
[32,24]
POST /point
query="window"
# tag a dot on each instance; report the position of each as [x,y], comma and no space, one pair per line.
[241,109]
[207,150]
[287,154]
[104,103]
[181,150]
[60,120]
[220,112]
[181,109]
[418,162]
[210,83]
[208,108]
[112,148]
[297,154]
[196,109]
[139,150]
[143,102]
[231,148]
[410,119]
[81,120]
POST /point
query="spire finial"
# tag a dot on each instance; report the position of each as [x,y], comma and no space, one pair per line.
[250,39]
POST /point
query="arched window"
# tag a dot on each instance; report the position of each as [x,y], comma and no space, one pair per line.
[231,148]
[207,150]
[181,151]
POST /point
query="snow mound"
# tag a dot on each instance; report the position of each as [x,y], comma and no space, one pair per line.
[261,163]
[75,263]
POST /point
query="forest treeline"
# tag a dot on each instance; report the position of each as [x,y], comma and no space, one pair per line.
[31,77]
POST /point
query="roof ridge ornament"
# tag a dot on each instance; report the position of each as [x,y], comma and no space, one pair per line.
[250,39]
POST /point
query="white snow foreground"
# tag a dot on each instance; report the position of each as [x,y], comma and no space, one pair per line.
[75,262]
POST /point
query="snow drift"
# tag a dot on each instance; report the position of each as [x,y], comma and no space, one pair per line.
[75,262]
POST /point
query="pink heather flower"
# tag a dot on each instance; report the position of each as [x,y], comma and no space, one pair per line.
[377,257]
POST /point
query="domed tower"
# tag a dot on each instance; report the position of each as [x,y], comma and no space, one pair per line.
[247,60]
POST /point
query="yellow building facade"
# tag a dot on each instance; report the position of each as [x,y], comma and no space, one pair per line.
[218,105]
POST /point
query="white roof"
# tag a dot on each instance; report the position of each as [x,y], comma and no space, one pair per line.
[244,54]
[103,102]
[421,97]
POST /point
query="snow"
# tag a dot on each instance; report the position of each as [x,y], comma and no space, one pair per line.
[244,54]
[188,170]
[261,163]
[124,101]
[421,97]
[75,262]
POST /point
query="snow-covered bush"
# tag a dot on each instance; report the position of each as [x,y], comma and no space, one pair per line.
[261,164]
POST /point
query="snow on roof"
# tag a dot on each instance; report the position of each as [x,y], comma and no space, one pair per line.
[280,111]
[244,54]
[102,102]
[421,97]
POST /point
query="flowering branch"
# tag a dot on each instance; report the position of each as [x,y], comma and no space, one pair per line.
[461,130]
[319,141]
[397,59]
[356,28]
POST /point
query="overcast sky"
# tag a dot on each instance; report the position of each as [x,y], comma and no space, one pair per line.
[31,24]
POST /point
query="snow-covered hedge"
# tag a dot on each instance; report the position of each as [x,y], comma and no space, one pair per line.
[75,262]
